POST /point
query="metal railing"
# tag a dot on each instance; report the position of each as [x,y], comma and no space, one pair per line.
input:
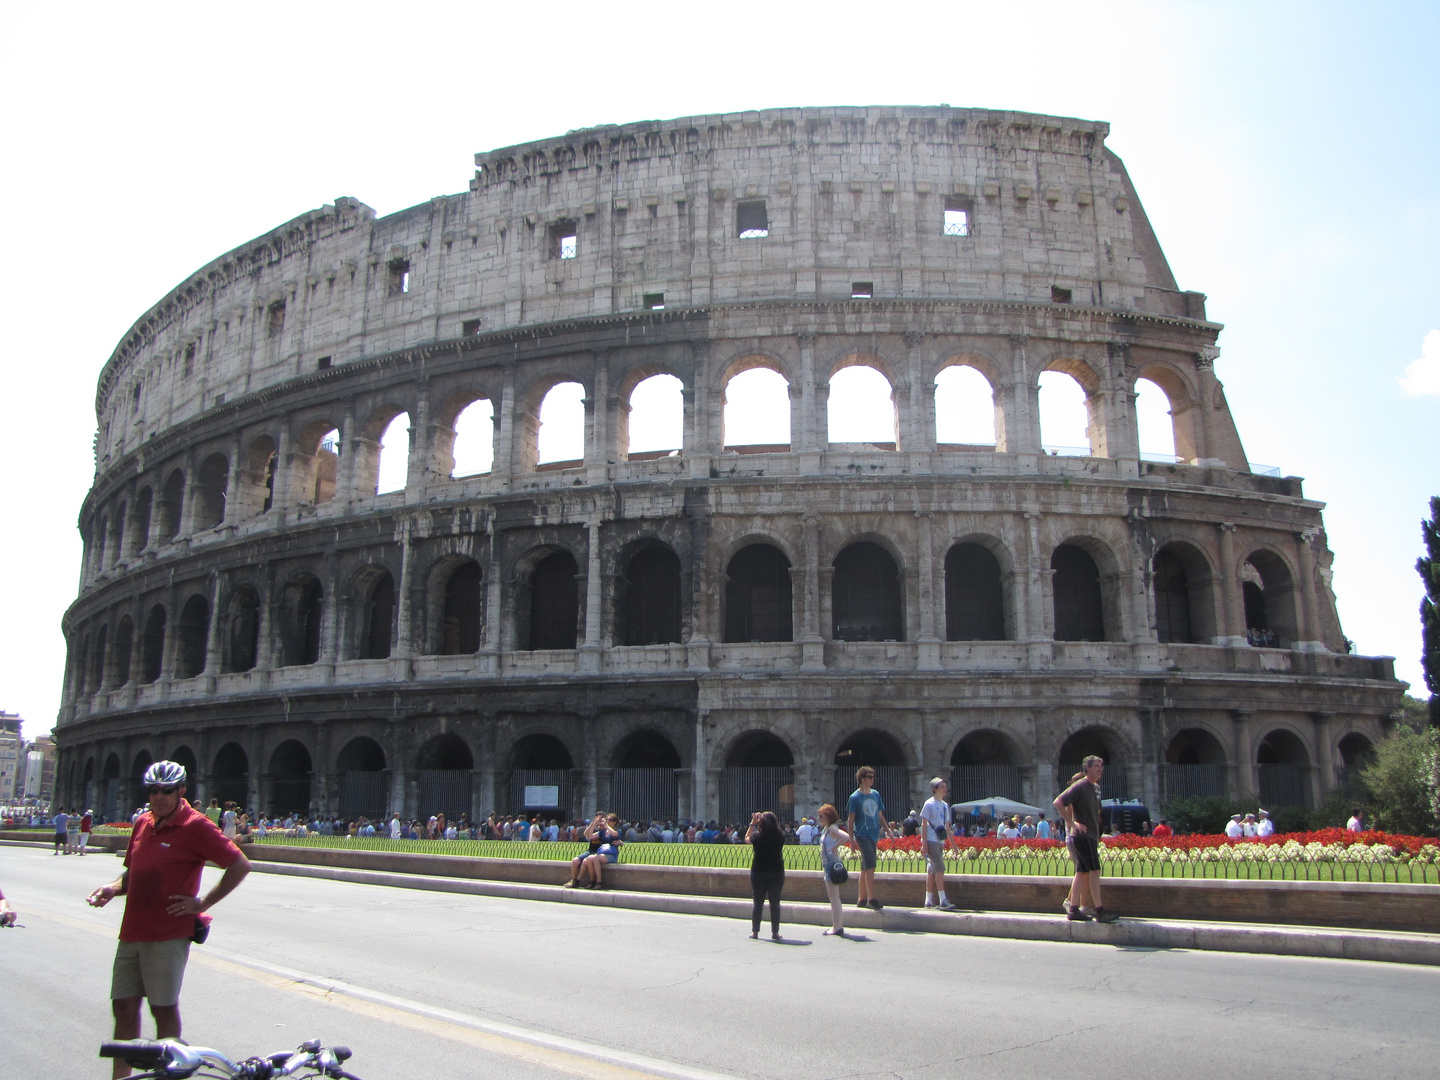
[444,791]
[645,794]
[363,794]
[969,782]
[1192,781]
[1284,785]
[891,781]
[745,789]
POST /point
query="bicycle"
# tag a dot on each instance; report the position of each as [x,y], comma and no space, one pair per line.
[170,1059]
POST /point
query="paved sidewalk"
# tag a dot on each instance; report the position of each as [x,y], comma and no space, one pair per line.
[1401,948]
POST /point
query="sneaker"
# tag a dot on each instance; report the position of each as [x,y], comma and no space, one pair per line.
[947,906]
[1102,915]
[862,903]
[875,905]
[1074,914]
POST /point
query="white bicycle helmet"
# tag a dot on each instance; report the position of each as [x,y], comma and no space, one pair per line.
[165,773]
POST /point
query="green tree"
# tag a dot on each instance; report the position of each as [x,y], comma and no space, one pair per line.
[1428,567]
[1404,782]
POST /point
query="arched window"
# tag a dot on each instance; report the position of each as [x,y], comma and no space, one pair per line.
[315,463]
[861,408]
[865,595]
[231,775]
[964,409]
[657,417]
[172,502]
[301,613]
[194,631]
[1194,765]
[1269,593]
[290,772]
[1154,427]
[124,650]
[379,617]
[460,629]
[242,630]
[257,488]
[474,445]
[152,653]
[554,607]
[561,438]
[140,520]
[119,551]
[1097,741]
[325,467]
[361,766]
[1184,606]
[1079,608]
[394,466]
[210,487]
[756,411]
[650,598]
[974,598]
[97,660]
[1065,420]
[758,602]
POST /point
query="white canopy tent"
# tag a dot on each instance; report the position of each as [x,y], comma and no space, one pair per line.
[996,806]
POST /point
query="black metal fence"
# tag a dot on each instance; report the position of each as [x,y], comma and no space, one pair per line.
[1192,781]
[891,781]
[1284,785]
[745,789]
[444,791]
[970,782]
[549,792]
[645,794]
[363,794]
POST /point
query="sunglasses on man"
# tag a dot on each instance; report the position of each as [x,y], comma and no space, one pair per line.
[166,789]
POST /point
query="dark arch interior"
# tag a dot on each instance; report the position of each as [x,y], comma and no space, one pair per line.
[540,752]
[290,759]
[865,595]
[1195,746]
[1356,751]
[460,628]
[554,603]
[301,609]
[983,748]
[230,762]
[646,750]
[1281,748]
[1172,599]
[974,599]
[446,752]
[1081,745]
[112,768]
[1270,603]
[379,615]
[650,602]
[242,635]
[871,748]
[194,631]
[758,750]
[1079,610]
[758,598]
[361,755]
[184,756]
[123,651]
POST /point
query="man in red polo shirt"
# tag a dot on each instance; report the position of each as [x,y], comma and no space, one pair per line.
[169,847]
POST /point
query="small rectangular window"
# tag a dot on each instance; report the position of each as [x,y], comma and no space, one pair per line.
[399,277]
[1059,295]
[323,363]
[957,217]
[751,223]
[564,240]
[135,398]
[275,319]
[470,327]
[654,301]
[219,400]
[862,290]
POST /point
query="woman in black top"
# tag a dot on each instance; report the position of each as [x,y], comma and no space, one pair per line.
[767,870]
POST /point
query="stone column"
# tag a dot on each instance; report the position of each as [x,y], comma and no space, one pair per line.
[284,466]
[588,658]
[330,627]
[1227,583]
[599,450]
[187,501]
[352,453]
[1323,774]
[931,601]
[215,639]
[233,480]
[320,793]
[1205,392]
[267,648]
[254,787]
[812,641]
[422,441]
[483,782]
[1244,785]
[805,423]
[1021,394]
[1034,582]
[700,808]
[919,429]
[171,651]
[702,427]
[1310,634]
[502,469]
[590,798]
[404,645]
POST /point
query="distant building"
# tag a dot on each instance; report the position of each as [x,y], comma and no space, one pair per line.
[11,757]
[37,780]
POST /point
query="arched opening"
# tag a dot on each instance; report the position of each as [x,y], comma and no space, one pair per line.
[302,608]
[861,408]
[1194,767]
[542,777]
[363,781]
[649,597]
[140,520]
[1066,416]
[473,449]
[394,465]
[1154,425]
[965,411]
[444,765]
[242,630]
[1079,607]
[974,595]
[985,764]
[882,753]
[1284,768]
[102,538]
[560,441]
[378,618]
[134,784]
[110,797]
[1184,608]
[152,647]
[257,487]
[119,551]
[194,635]
[124,650]
[758,598]
[87,788]
[656,424]
[183,756]
[759,774]
[554,603]
[290,774]
[1269,593]
[865,595]
[210,484]
[172,502]
[1356,752]
[98,658]
[460,620]
[231,774]
[316,459]
[82,667]
[755,415]
[643,785]
[1082,744]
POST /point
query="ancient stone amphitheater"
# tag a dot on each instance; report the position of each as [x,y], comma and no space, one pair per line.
[726,621]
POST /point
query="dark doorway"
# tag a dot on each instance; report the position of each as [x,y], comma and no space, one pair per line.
[542,777]
[759,774]
[444,765]
[232,775]
[290,774]
[1079,611]
[379,618]
[363,779]
[194,631]
[152,650]
[643,785]
[554,603]
[650,606]
[983,765]
[974,600]
[242,631]
[865,595]
[460,629]
[758,600]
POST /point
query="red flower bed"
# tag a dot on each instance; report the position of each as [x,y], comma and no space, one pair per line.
[1130,842]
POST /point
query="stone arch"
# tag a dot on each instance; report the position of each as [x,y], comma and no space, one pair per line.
[547,605]
[538,750]
[183,756]
[152,645]
[242,630]
[530,400]
[302,613]
[890,757]
[1091,383]
[1183,584]
[1355,750]
[654,398]
[122,651]
[759,596]
[755,412]
[257,476]
[986,762]
[1283,760]
[648,595]
[1182,400]
[1195,764]
[848,390]
[867,594]
[192,637]
[1085,591]
[315,457]
[290,778]
[1267,585]
[140,519]
[645,748]
[134,784]
[362,768]
[1103,742]
[374,587]
[361,754]
[759,774]
[456,595]
[959,396]
[463,427]
[230,774]
[976,605]
[172,502]
[382,452]
[210,484]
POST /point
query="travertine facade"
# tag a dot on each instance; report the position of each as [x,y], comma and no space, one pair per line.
[695,632]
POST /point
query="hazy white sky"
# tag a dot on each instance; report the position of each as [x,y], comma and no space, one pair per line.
[1288,155]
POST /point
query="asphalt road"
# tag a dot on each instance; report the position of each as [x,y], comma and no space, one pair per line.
[422,985]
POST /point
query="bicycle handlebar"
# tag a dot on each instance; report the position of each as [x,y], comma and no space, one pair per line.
[170,1058]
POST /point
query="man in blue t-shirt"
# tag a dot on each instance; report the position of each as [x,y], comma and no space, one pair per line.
[865,819]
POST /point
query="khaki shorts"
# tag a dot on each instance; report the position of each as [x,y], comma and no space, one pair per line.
[934,857]
[150,969]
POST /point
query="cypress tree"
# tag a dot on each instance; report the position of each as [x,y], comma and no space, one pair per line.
[1428,567]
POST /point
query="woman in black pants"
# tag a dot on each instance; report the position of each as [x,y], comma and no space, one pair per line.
[767,870]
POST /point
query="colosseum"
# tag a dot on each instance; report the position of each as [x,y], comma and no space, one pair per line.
[725,620]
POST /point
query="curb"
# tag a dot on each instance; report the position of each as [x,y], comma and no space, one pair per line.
[1397,948]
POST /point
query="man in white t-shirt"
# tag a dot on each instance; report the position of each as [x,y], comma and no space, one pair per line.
[1357,820]
[1264,827]
[934,833]
[1247,827]
[805,834]
[1233,829]
[395,825]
